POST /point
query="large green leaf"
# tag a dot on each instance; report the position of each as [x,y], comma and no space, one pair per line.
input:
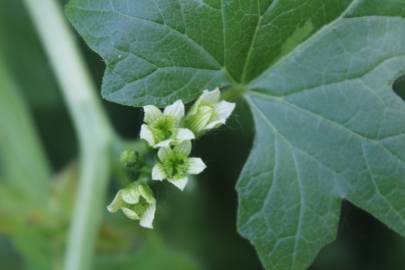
[318,77]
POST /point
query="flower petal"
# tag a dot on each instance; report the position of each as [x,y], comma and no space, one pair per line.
[148,217]
[147,193]
[176,110]
[164,152]
[183,148]
[117,203]
[147,135]
[165,143]
[224,109]
[179,183]
[130,213]
[195,165]
[209,97]
[215,124]
[130,195]
[198,120]
[158,173]
[152,113]
[184,134]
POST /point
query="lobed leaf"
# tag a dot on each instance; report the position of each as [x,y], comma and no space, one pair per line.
[318,76]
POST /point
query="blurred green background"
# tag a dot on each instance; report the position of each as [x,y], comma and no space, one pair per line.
[195,229]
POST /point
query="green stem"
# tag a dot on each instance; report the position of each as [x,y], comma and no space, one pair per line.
[234,92]
[94,131]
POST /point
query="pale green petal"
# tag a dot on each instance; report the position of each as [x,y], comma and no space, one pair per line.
[152,113]
[203,116]
[198,120]
[147,193]
[209,97]
[196,165]
[164,152]
[179,183]
[130,195]
[183,148]
[158,173]
[117,203]
[148,217]
[224,109]
[176,110]
[165,143]
[130,213]
[215,124]
[184,134]
[147,135]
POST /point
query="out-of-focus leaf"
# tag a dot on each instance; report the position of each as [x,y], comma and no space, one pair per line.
[24,166]
[24,57]
[63,194]
[8,257]
[24,176]
[153,255]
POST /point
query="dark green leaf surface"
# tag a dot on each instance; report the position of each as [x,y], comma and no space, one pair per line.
[318,77]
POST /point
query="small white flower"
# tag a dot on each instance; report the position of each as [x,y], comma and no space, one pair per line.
[208,112]
[162,129]
[175,165]
[137,202]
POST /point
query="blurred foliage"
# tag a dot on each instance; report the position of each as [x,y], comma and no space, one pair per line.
[151,256]
[24,57]
[25,60]
[195,229]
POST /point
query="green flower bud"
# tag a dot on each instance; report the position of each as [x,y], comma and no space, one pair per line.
[137,202]
[131,159]
[208,112]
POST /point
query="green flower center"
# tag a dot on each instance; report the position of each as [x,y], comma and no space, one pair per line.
[163,128]
[175,166]
[139,208]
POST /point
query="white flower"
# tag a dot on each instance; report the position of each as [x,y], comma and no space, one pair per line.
[175,165]
[208,112]
[162,129]
[137,202]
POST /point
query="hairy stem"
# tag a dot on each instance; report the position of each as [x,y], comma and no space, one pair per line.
[94,131]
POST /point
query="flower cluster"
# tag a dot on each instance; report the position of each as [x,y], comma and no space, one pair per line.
[171,133]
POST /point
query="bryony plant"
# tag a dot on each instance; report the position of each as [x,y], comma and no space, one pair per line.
[318,83]
[170,132]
